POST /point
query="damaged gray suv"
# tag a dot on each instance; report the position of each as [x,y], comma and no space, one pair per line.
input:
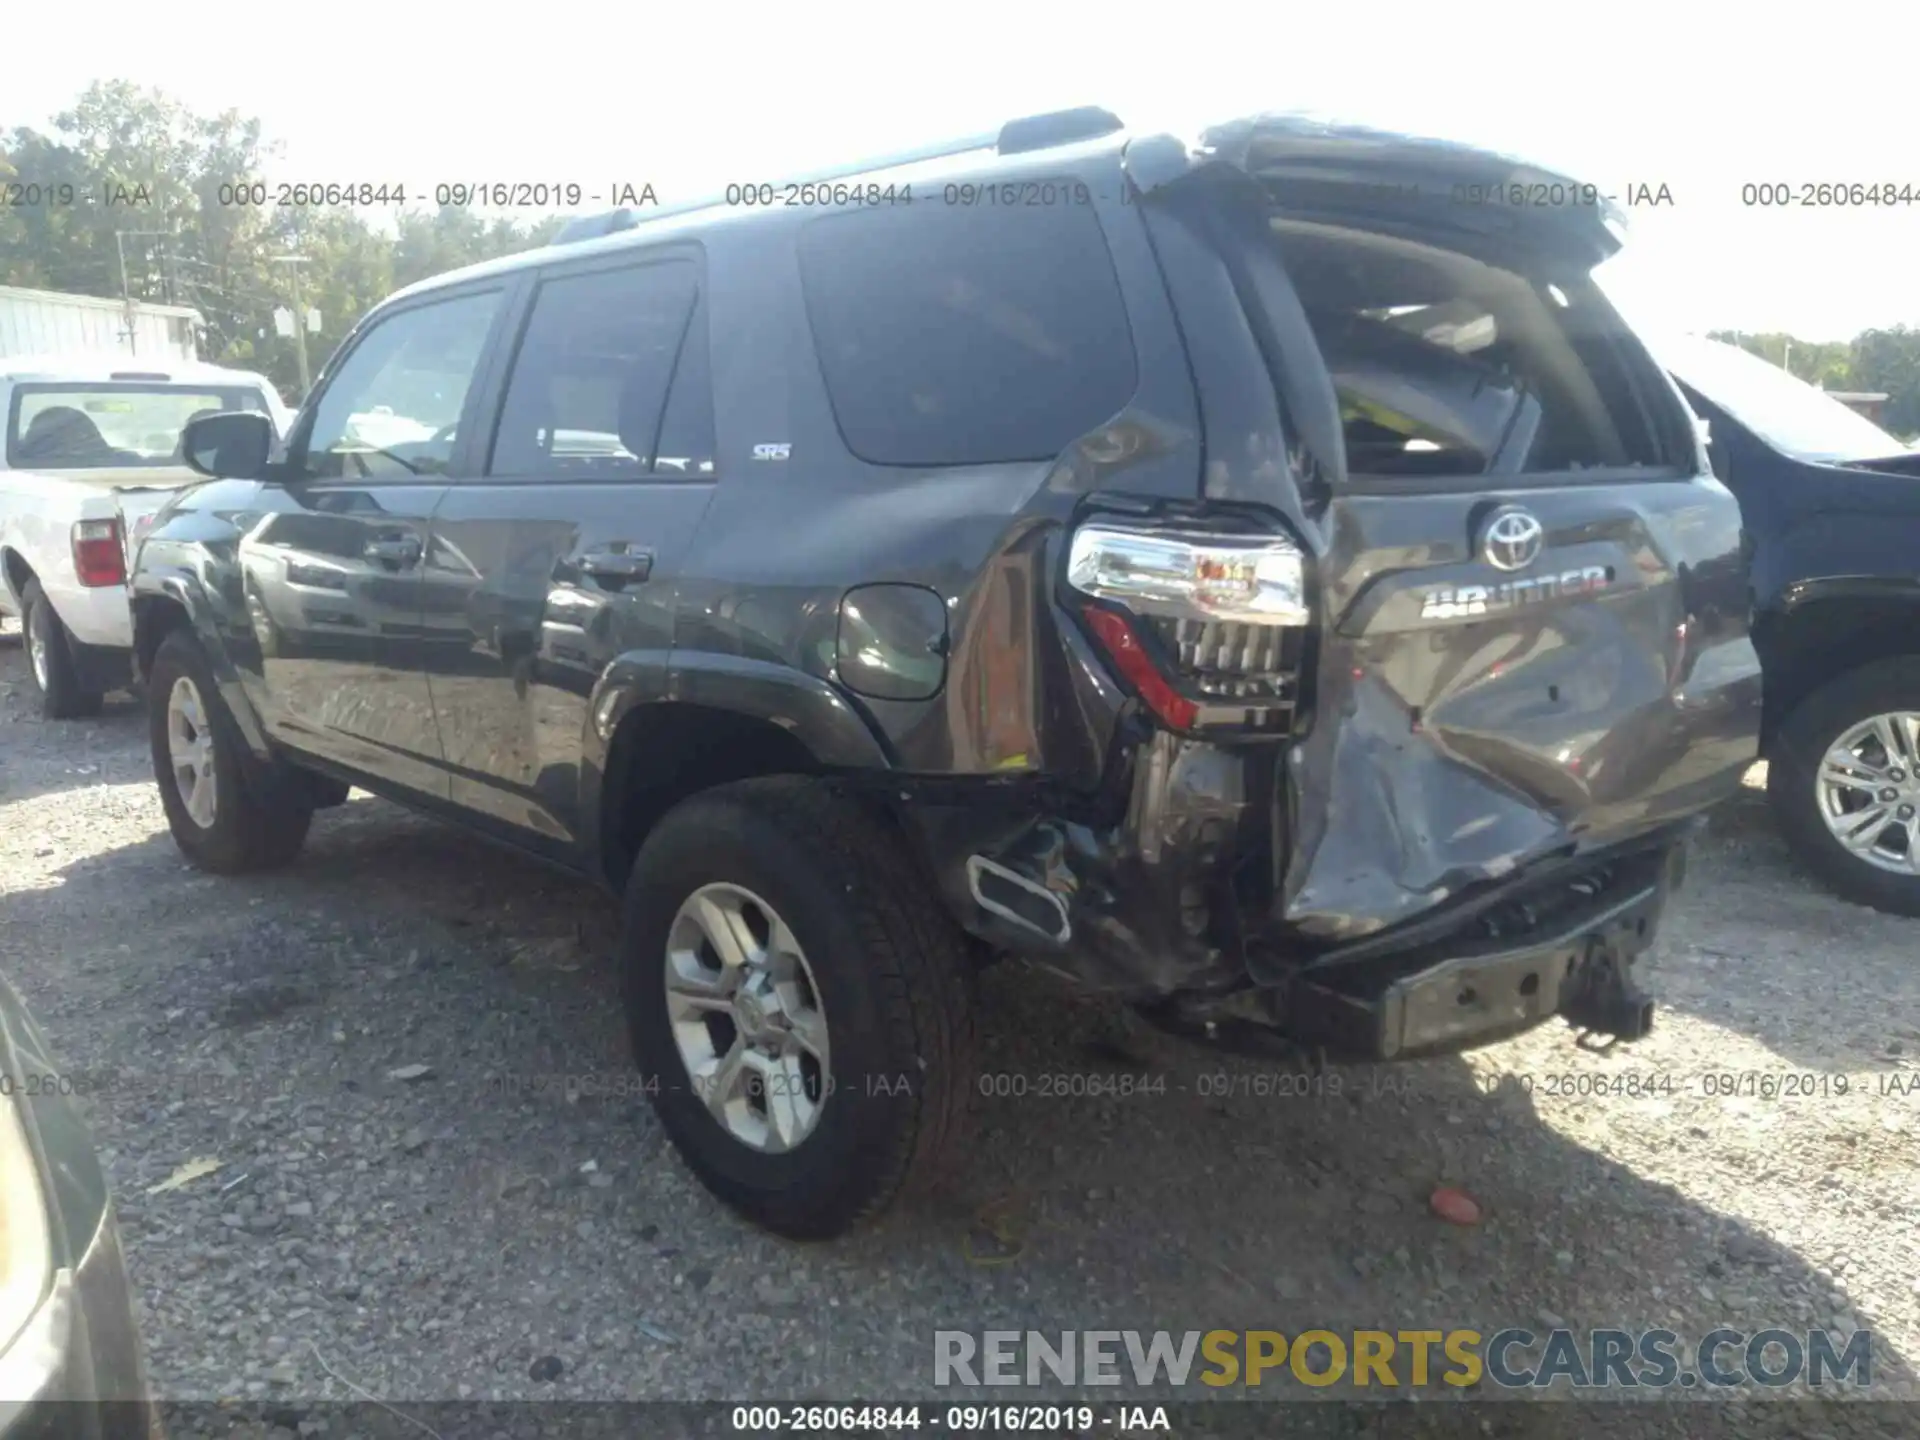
[1260,578]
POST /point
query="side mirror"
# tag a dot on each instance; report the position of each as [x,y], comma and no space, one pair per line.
[233,445]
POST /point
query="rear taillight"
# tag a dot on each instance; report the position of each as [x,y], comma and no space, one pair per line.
[1209,629]
[1130,658]
[97,555]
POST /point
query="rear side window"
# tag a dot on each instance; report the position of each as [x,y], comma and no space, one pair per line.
[596,369]
[961,335]
[1448,365]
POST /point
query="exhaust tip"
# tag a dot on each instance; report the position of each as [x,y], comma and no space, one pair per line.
[1012,896]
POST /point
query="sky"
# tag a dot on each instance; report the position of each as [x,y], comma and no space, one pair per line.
[695,97]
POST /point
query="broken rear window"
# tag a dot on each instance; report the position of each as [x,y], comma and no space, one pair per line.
[1446,365]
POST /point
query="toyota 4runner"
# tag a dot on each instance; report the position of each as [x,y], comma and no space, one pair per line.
[1044,544]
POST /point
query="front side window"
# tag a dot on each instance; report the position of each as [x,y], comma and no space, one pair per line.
[589,394]
[112,426]
[393,408]
[967,335]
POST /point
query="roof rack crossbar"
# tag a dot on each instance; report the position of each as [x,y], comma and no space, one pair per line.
[1029,132]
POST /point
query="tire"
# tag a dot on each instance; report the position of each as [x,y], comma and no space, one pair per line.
[253,824]
[50,660]
[889,972]
[1795,788]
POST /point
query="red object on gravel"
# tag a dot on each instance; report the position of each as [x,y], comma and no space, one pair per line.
[1456,1207]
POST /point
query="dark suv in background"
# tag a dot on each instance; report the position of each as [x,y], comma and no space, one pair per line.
[1038,544]
[1832,508]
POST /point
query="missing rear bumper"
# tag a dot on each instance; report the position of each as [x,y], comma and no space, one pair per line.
[1578,965]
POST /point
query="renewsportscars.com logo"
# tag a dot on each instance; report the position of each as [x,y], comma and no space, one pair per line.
[1512,1359]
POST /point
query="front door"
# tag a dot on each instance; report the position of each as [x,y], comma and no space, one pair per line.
[561,554]
[333,571]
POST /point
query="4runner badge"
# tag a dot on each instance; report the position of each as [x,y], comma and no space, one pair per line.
[1468,602]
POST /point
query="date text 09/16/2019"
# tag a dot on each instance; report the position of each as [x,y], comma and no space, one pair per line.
[1053,1419]
[1356,1083]
[461,194]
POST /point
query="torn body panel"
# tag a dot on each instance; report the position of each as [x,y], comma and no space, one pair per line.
[1140,883]
[1449,748]
[1165,903]
[1500,738]
[1471,708]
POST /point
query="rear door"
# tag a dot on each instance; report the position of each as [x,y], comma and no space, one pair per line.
[560,555]
[1532,634]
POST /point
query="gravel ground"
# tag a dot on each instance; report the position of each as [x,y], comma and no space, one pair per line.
[492,1230]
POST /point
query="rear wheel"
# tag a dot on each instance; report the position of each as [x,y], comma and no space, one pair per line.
[800,1005]
[223,819]
[1845,783]
[50,660]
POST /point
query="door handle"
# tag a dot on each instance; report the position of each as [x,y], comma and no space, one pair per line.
[398,551]
[617,567]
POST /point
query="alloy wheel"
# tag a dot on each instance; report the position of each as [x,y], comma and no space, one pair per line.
[747,1018]
[190,750]
[1869,791]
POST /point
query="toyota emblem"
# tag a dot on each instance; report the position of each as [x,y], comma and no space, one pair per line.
[1512,539]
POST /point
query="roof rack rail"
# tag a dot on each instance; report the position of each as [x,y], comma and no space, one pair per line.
[1056,127]
[591,227]
[1031,132]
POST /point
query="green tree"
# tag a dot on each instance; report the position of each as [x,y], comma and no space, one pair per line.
[160,182]
[1828,364]
[1889,360]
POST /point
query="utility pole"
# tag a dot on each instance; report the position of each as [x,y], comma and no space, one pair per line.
[126,292]
[299,320]
[126,288]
